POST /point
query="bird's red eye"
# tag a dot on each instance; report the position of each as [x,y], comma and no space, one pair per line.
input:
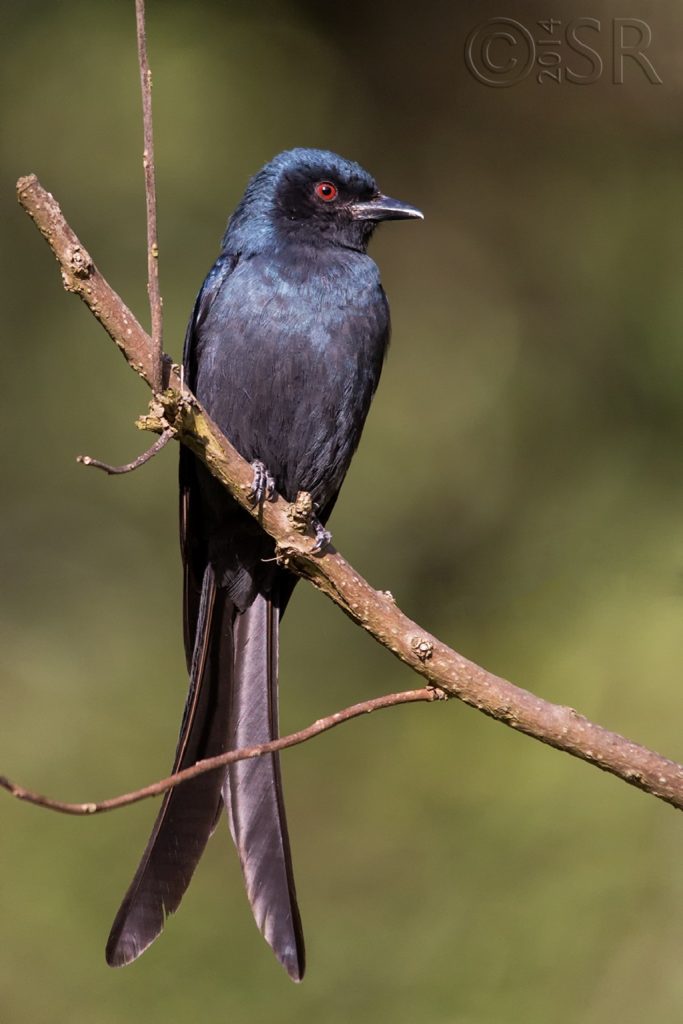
[326,191]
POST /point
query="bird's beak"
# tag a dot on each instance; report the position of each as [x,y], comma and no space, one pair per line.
[384,208]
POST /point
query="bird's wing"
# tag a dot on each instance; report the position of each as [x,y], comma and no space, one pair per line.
[231,638]
[188,813]
[214,527]
[192,549]
[192,539]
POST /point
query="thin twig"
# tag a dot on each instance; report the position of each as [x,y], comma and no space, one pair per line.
[392,700]
[155,301]
[374,610]
[129,467]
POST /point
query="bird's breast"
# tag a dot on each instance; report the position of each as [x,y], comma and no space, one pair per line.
[290,358]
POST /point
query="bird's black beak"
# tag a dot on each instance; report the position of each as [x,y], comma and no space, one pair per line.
[384,208]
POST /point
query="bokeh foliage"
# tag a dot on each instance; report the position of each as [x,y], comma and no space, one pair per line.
[518,489]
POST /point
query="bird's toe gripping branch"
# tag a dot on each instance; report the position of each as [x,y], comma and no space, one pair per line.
[301,514]
[323,538]
[262,485]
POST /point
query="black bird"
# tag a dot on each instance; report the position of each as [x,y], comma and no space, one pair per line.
[284,349]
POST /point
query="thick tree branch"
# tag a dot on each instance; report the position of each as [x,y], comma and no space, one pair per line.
[375,611]
[392,700]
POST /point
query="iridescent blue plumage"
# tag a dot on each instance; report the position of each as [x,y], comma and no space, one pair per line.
[284,349]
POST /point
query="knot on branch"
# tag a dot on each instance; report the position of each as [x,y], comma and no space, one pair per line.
[284,555]
[79,262]
[289,552]
[423,648]
[300,512]
[166,411]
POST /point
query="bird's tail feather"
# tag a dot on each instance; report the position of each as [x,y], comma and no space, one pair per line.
[252,791]
[188,813]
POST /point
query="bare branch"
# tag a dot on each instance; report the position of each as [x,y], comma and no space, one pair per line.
[155,301]
[374,610]
[129,467]
[392,700]
[80,276]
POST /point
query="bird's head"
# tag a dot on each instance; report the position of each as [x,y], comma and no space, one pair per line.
[313,197]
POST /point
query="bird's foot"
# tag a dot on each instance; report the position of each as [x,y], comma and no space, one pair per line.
[323,537]
[262,484]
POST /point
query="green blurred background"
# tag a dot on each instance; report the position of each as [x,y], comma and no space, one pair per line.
[518,489]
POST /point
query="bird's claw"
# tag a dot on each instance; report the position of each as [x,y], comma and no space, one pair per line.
[323,538]
[262,484]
